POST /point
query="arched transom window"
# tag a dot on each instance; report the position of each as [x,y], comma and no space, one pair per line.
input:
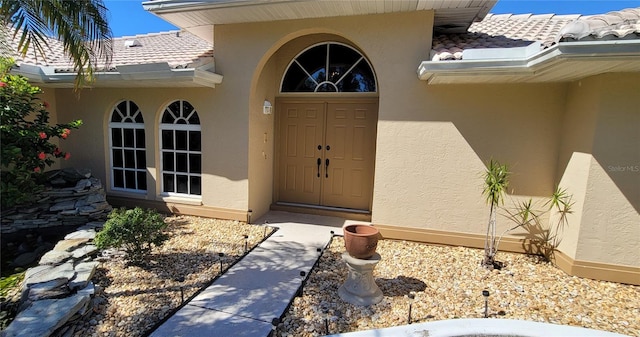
[180,152]
[128,155]
[329,67]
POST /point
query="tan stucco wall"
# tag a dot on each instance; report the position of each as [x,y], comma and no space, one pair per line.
[261,142]
[601,138]
[447,134]
[224,183]
[255,67]
[432,141]
[426,135]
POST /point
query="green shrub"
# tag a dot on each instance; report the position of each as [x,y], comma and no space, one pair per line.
[135,231]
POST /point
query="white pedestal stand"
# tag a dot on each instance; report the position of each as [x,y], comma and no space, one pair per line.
[360,288]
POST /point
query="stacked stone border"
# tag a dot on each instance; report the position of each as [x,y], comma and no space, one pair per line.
[59,291]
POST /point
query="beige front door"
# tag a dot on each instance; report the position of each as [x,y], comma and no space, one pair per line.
[326,152]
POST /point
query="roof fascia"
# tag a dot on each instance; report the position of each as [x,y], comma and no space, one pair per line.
[602,50]
[167,6]
[206,78]
[146,73]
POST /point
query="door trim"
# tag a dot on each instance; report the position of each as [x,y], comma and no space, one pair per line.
[362,215]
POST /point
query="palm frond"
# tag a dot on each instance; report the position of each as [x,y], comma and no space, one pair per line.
[80,25]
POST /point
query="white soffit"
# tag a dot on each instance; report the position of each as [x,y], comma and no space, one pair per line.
[452,14]
[155,75]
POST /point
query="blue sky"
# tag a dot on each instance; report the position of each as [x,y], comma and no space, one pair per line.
[128,18]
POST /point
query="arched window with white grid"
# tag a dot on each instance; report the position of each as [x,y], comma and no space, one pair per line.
[329,67]
[180,150]
[127,143]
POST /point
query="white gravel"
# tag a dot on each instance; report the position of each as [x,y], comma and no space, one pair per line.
[447,283]
[131,300]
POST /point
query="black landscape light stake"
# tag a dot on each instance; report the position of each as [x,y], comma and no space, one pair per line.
[485,293]
[319,250]
[412,297]
[302,275]
[274,325]
[266,224]
[332,233]
[246,242]
[325,312]
[181,279]
[220,256]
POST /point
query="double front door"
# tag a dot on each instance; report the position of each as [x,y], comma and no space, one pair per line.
[326,152]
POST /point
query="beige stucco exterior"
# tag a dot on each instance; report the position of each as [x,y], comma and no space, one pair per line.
[600,159]
[223,132]
[432,141]
[457,130]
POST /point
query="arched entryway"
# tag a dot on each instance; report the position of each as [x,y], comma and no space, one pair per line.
[326,120]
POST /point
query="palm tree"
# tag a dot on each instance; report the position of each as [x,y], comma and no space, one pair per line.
[495,186]
[80,25]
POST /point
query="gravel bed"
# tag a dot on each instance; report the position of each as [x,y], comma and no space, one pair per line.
[131,300]
[448,282]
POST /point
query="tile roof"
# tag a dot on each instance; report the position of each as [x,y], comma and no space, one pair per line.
[179,49]
[508,30]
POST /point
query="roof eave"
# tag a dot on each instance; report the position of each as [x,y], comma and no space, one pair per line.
[199,16]
[155,75]
[531,69]
[181,5]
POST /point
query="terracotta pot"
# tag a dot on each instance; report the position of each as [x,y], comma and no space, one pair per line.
[361,240]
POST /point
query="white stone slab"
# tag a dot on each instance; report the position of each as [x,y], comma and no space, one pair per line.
[42,318]
[84,251]
[69,245]
[48,273]
[54,257]
[84,273]
[81,234]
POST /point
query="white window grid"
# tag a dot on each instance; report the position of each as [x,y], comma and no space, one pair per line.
[128,123]
[173,127]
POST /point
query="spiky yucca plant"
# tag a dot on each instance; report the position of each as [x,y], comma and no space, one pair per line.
[495,187]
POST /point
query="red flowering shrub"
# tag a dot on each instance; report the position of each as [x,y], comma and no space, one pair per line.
[25,135]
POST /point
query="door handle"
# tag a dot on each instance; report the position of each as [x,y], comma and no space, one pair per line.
[319,163]
[326,168]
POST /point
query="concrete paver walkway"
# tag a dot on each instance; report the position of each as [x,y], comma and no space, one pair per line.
[259,287]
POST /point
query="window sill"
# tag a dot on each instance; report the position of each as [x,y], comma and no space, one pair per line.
[128,193]
[181,200]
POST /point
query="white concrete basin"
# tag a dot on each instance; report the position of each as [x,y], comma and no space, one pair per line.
[479,327]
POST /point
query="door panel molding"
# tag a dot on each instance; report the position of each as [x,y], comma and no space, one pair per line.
[325,151]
